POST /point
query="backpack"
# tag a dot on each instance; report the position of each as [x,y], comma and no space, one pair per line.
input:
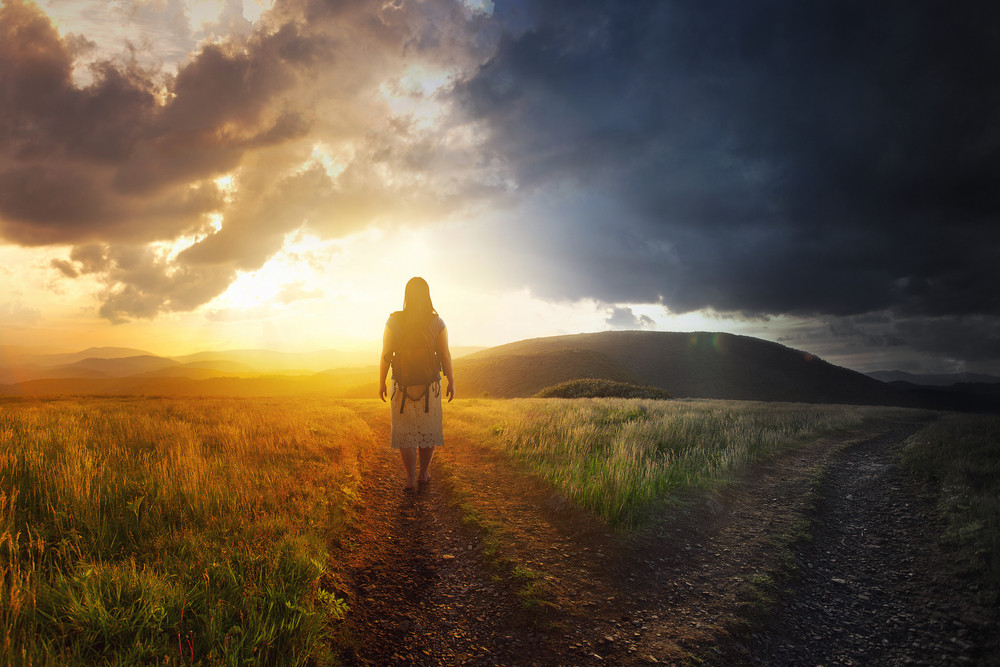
[415,362]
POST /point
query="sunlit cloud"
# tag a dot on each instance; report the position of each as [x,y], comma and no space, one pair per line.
[413,95]
[299,268]
[324,154]
[202,13]
[254,9]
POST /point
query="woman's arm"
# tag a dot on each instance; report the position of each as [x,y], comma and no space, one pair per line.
[383,366]
[445,354]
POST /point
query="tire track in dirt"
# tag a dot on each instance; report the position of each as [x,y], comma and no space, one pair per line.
[876,588]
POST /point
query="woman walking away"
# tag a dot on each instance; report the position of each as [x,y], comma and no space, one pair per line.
[415,345]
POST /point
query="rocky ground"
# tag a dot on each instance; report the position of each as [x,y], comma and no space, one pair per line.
[827,555]
[875,586]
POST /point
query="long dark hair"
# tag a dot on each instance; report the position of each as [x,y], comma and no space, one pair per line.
[417,306]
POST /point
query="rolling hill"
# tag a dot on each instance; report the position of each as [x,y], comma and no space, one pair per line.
[696,365]
[69,358]
[123,366]
[509,375]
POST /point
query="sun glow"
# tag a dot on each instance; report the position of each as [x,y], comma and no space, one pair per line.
[295,273]
[227,184]
[169,250]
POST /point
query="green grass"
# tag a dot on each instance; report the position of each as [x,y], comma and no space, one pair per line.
[621,458]
[960,456]
[171,531]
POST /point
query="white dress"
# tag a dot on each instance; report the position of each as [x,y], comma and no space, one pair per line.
[416,428]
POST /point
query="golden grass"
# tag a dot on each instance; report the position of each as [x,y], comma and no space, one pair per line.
[166,530]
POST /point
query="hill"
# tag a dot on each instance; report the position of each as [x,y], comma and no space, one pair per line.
[525,374]
[137,385]
[122,366]
[69,358]
[696,365]
[270,361]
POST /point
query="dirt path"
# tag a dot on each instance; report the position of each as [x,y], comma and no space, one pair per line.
[681,591]
[420,591]
[876,588]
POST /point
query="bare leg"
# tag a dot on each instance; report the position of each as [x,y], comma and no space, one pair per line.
[409,457]
[426,454]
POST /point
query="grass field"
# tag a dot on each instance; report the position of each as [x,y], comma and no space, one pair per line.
[621,458]
[140,531]
[960,457]
[170,531]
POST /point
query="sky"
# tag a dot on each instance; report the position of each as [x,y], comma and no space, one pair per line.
[182,175]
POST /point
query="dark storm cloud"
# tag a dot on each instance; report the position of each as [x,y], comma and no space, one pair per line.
[72,160]
[970,338]
[763,157]
[624,318]
[140,282]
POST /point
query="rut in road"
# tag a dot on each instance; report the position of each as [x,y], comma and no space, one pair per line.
[876,587]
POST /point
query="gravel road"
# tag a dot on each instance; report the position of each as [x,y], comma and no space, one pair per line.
[875,587]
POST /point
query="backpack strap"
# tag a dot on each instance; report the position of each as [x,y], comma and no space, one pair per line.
[406,395]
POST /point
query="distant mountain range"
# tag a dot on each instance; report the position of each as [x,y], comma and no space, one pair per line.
[23,363]
[696,365]
[120,362]
[939,380]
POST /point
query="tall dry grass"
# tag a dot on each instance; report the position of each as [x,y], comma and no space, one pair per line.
[140,531]
[621,457]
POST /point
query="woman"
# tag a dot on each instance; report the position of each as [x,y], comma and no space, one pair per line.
[415,344]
